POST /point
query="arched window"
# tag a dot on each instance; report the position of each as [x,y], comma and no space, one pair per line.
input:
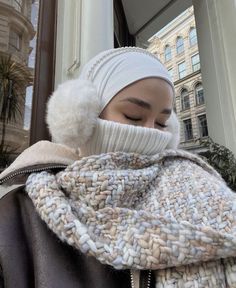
[199,94]
[185,99]
[192,36]
[179,45]
[167,53]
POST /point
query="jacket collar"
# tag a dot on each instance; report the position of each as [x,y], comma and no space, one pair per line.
[41,154]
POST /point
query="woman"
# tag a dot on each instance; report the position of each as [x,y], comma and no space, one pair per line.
[109,204]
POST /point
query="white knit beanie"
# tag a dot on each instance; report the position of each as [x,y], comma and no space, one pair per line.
[74,108]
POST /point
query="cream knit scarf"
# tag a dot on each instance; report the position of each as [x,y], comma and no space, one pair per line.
[144,212]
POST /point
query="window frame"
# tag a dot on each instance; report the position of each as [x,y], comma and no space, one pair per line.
[44,69]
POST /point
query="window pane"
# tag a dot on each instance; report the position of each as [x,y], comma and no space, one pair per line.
[203,126]
[182,70]
[195,62]
[179,45]
[199,94]
[171,73]
[188,131]
[193,37]
[167,53]
[185,100]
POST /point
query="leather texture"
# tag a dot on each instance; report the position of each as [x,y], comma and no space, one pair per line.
[32,256]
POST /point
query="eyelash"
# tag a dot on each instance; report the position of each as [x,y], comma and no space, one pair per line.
[139,119]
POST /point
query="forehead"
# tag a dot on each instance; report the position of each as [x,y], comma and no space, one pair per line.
[152,90]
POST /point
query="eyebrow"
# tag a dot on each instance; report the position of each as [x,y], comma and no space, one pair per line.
[139,102]
[146,105]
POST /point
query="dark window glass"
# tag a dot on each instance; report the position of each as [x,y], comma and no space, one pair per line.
[188,130]
[203,126]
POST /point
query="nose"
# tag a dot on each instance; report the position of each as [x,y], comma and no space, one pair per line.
[149,124]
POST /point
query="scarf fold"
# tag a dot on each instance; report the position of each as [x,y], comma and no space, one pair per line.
[139,212]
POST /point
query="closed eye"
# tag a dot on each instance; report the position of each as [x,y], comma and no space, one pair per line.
[132,118]
[162,125]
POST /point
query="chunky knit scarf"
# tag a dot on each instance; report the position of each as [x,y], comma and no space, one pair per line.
[169,211]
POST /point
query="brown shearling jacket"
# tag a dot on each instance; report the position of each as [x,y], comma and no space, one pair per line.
[31,255]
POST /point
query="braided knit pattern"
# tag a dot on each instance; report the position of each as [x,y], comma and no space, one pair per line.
[143,212]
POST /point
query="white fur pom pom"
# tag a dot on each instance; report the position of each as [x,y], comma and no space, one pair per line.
[72,112]
[174,129]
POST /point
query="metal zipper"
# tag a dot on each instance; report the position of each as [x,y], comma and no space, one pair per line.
[148,281]
[132,279]
[28,171]
[149,278]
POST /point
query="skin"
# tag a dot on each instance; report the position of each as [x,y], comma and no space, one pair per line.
[146,103]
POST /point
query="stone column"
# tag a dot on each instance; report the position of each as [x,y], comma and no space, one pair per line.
[85,27]
[216,30]
[96,27]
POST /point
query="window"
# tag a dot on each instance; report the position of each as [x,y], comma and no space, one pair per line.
[185,99]
[192,36]
[16,138]
[167,53]
[17,5]
[203,125]
[14,41]
[199,94]
[195,62]
[182,70]
[171,73]
[179,45]
[174,106]
[188,130]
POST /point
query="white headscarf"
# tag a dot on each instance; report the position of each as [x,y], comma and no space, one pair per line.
[74,108]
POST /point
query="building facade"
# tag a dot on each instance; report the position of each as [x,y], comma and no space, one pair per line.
[16,32]
[177,47]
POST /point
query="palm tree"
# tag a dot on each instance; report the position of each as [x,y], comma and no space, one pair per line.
[13,83]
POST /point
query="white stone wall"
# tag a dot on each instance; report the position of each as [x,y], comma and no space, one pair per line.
[167,36]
